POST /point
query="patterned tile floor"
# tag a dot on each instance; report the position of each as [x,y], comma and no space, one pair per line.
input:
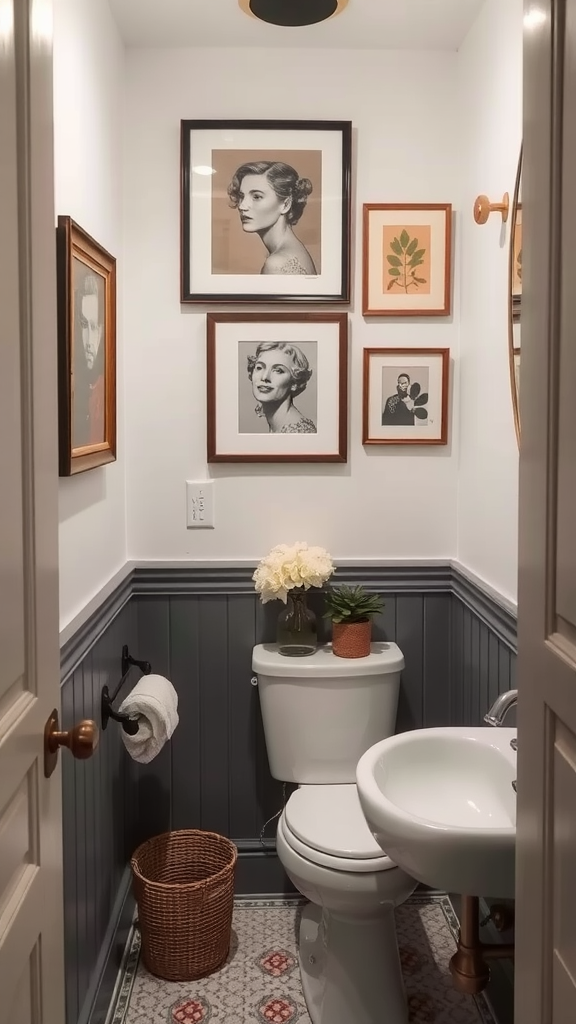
[260,981]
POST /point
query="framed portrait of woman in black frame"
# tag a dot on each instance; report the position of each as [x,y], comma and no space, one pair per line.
[277,387]
[265,211]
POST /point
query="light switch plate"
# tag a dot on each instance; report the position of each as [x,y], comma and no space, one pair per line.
[200,504]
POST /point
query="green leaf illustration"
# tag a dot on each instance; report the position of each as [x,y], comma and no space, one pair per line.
[421,414]
[417,258]
[402,264]
[414,390]
[422,399]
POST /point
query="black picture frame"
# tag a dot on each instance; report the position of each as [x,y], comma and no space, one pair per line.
[221,259]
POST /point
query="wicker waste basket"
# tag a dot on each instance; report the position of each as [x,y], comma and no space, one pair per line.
[184,887]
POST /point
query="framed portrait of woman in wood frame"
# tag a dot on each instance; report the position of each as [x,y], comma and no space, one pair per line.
[277,387]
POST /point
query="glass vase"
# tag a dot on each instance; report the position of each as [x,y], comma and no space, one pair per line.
[296,627]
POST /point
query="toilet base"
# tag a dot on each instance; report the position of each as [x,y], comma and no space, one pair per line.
[350,968]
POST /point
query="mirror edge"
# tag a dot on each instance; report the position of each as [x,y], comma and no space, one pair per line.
[512,366]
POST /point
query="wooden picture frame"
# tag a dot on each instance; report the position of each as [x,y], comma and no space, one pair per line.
[277,387]
[407,259]
[265,211]
[86,290]
[405,396]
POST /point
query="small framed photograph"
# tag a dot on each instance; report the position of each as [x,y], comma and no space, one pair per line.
[86,286]
[406,259]
[265,211]
[405,397]
[277,387]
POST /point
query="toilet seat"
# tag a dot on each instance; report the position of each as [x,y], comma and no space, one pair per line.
[325,825]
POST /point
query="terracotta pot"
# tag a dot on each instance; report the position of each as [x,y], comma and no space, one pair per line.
[351,639]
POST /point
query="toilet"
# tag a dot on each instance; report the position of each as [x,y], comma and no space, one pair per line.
[320,714]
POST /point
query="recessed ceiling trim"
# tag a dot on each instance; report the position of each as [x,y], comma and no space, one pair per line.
[246,6]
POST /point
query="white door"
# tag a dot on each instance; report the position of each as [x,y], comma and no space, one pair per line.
[546,830]
[31,912]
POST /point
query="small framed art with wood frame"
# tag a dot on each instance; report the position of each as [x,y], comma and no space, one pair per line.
[406,259]
[86,350]
[405,396]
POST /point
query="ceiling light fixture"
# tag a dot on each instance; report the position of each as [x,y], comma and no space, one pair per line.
[293,13]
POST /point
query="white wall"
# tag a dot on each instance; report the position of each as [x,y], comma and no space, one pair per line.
[385,502]
[490,126]
[88,126]
[455,133]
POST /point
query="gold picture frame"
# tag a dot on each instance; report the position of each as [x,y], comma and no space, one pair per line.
[86,290]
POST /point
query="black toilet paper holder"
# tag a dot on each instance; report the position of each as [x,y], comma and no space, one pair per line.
[129,725]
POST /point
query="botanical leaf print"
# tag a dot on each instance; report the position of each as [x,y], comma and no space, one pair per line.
[402,263]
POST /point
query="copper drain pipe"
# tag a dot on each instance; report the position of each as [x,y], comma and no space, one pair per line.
[468,967]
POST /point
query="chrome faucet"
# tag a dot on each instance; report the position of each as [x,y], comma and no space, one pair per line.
[500,707]
[499,710]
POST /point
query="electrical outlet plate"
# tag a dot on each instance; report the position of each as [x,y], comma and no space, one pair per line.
[200,504]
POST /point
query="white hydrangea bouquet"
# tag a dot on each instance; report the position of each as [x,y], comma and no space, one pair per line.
[287,567]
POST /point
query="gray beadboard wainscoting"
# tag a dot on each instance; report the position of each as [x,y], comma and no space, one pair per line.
[197,626]
[99,823]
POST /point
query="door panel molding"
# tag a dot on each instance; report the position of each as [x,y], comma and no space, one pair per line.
[31,925]
[545,888]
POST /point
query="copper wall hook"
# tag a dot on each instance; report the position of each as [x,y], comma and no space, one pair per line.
[483,208]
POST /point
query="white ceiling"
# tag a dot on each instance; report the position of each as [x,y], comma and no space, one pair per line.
[364,24]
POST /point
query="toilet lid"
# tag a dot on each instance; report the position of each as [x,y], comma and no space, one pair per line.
[330,819]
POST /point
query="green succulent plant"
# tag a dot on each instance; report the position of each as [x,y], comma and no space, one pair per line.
[351,604]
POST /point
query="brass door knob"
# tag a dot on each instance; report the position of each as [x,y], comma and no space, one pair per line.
[81,741]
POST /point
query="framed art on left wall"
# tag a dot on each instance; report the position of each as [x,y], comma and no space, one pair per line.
[86,350]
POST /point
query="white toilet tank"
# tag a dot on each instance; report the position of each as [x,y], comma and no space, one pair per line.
[321,713]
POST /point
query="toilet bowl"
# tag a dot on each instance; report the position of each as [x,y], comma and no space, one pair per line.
[349,961]
[320,714]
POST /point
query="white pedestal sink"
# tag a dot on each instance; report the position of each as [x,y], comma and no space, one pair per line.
[441,803]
